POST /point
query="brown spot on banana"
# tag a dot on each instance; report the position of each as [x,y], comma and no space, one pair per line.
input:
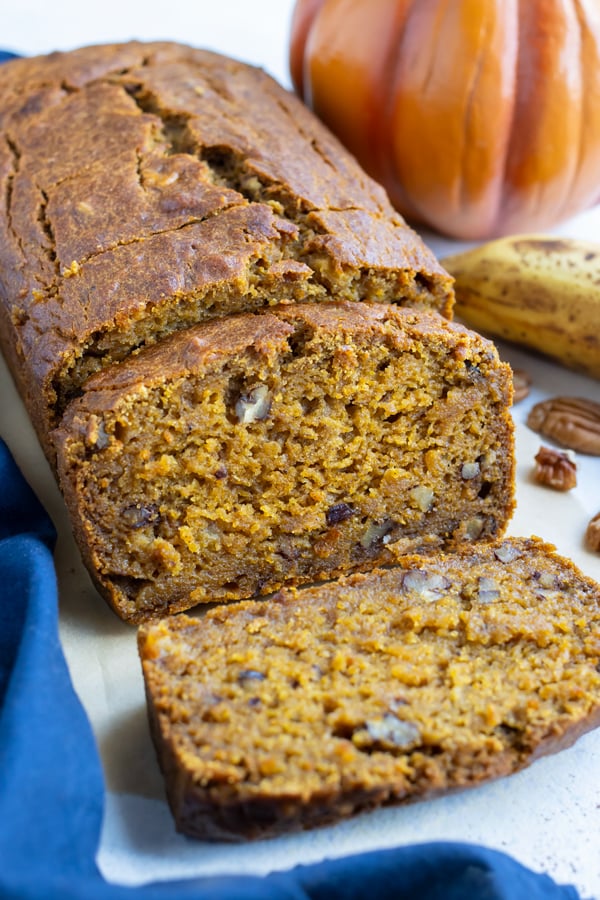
[538,291]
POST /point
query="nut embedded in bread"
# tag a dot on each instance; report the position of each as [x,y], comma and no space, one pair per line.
[147,187]
[316,704]
[288,446]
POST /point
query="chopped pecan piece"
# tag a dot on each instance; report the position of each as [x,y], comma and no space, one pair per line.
[96,437]
[473,528]
[470,470]
[592,534]
[488,590]
[427,586]
[138,515]
[254,404]
[377,532]
[387,733]
[506,553]
[423,497]
[555,469]
[573,422]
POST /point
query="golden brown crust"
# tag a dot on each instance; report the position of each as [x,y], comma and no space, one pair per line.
[388,687]
[191,185]
[197,349]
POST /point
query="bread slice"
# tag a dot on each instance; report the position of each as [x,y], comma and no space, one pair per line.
[147,187]
[436,674]
[284,447]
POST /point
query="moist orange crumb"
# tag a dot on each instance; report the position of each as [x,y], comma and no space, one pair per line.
[438,673]
[285,447]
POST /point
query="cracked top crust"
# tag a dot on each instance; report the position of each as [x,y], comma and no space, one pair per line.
[145,187]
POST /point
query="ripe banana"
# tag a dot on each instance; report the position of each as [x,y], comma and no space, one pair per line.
[536,290]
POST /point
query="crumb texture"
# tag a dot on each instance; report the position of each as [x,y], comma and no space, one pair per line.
[405,682]
[259,450]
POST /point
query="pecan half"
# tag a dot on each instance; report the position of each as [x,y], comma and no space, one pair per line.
[570,421]
[592,534]
[555,469]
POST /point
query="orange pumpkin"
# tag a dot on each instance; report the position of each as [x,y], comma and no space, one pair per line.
[480,117]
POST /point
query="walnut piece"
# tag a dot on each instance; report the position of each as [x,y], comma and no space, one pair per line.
[521,385]
[592,534]
[555,469]
[572,422]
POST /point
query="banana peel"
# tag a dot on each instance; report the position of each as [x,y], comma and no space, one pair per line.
[536,290]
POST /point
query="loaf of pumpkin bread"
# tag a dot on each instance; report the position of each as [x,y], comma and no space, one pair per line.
[282,447]
[437,674]
[147,187]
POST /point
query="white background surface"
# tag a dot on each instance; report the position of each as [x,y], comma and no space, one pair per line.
[548,817]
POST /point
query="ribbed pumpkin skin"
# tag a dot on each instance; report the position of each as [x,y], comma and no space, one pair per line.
[480,117]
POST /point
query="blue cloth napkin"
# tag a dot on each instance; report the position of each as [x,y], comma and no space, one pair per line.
[51,783]
[52,788]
